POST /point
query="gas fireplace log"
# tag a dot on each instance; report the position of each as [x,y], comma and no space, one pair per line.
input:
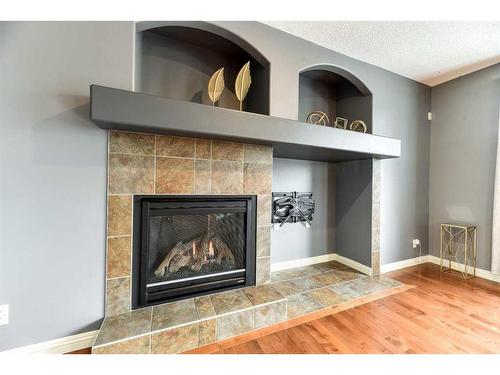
[194,254]
[223,251]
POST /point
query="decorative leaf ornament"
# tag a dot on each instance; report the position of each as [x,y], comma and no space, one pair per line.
[243,81]
[216,85]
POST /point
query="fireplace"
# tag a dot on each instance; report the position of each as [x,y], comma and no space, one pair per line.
[186,246]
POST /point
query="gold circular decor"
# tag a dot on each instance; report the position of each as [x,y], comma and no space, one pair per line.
[358,126]
[318,118]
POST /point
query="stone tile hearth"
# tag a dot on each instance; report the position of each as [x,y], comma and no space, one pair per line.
[183,325]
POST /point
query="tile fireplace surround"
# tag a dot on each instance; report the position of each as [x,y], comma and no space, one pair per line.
[160,164]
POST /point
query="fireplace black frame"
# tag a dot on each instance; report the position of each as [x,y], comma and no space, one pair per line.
[142,295]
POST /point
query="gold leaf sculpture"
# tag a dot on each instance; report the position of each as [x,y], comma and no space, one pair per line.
[243,81]
[216,85]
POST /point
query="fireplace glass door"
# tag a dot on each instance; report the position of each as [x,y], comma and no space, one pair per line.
[191,246]
[184,246]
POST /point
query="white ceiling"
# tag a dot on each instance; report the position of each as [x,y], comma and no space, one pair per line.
[428,52]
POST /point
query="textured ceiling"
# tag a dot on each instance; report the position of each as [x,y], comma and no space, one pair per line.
[428,52]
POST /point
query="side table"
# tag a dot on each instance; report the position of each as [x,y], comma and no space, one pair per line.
[459,244]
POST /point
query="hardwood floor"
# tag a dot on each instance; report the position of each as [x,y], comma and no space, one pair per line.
[442,314]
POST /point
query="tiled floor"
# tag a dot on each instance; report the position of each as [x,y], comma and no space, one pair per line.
[169,328]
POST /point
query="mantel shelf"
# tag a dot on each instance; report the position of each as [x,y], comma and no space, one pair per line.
[126,110]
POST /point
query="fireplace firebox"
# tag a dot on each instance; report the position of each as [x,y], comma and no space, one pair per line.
[184,246]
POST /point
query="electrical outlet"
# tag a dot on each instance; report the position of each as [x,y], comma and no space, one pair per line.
[4,315]
[416,242]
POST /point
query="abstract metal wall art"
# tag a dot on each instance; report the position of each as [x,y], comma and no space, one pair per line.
[292,207]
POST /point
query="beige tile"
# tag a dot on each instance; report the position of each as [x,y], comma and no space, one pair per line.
[227,177]
[262,294]
[118,257]
[329,266]
[286,288]
[375,263]
[348,290]
[230,301]
[286,275]
[175,340]
[173,314]
[310,269]
[348,274]
[258,154]
[264,210]
[131,143]
[174,176]
[175,146]
[326,297]
[208,332]
[119,215]
[263,241]
[117,296]
[139,345]
[370,285]
[375,239]
[270,314]
[257,178]
[263,270]
[130,174]
[202,177]
[301,304]
[123,326]
[376,193]
[204,307]
[328,278]
[235,324]
[222,150]
[376,214]
[203,148]
[306,283]
[295,286]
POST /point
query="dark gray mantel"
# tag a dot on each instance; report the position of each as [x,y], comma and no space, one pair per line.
[126,110]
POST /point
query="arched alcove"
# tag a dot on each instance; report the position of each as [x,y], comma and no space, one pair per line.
[177,59]
[336,92]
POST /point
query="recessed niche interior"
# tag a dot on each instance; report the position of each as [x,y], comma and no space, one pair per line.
[177,61]
[337,93]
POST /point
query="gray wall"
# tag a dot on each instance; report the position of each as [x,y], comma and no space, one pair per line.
[316,97]
[465,115]
[295,241]
[53,161]
[400,108]
[53,174]
[353,210]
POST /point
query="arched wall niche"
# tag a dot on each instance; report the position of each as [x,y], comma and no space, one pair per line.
[177,59]
[336,92]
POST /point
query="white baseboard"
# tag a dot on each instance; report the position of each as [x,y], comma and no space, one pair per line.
[457,267]
[320,259]
[353,264]
[403,264]
[436,260]
[58,346]
[302,262]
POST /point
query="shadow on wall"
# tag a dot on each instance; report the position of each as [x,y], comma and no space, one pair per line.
[72,135]
[353,210]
